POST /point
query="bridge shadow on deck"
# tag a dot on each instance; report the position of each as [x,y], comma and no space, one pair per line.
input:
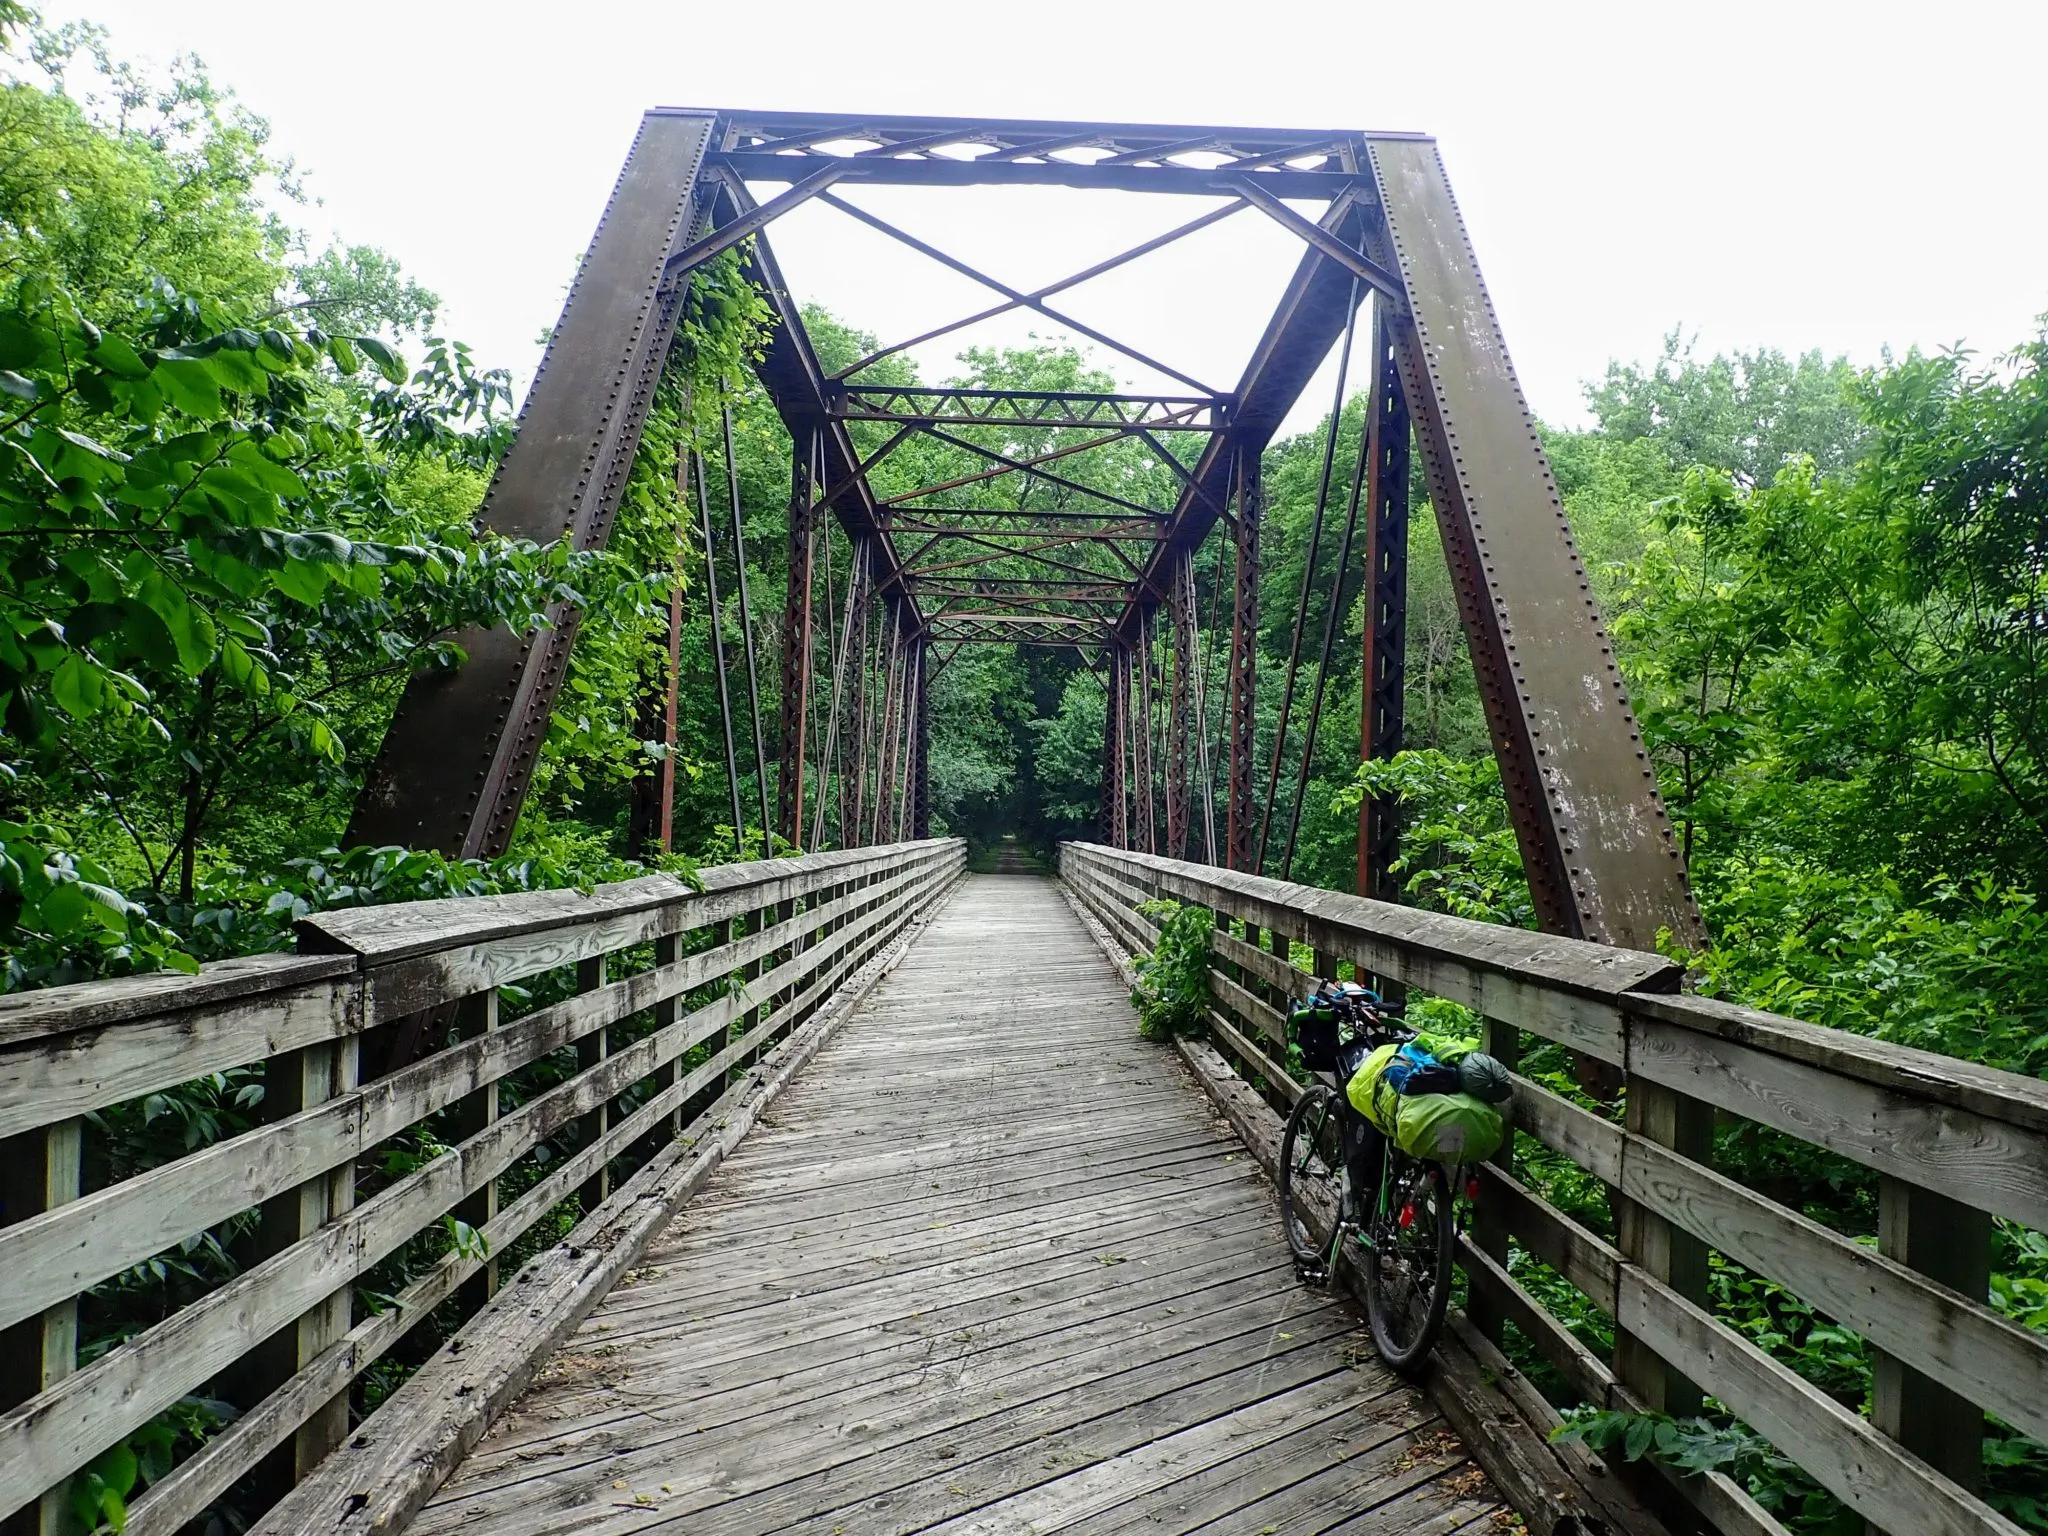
[990,1265]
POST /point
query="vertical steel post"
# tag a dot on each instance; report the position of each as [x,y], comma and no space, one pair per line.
[834,755]
[1113,748]
[796,646]
[1241,732]
[1141,740]
[1180,707]
[1211,849]
[885,746]
[716,612]
[739,574]
[1383,679]
[826,734]
[920,750]
[853,830]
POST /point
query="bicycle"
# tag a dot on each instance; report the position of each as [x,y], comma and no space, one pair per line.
[1407,1239]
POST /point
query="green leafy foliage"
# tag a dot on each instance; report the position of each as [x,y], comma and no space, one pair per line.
[1707,1445]
[1458,850]
[1173,980]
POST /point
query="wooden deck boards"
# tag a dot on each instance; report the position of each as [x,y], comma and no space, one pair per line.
[991,1266]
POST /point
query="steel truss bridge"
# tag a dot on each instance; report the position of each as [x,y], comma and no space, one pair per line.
[836,1193]
[1033,549]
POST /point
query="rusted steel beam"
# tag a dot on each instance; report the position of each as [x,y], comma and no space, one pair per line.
[1035,555]
[1308,579]
[1114,821]
[834,757]
[1031,467]
[921,777]
[1241,721]
[796,640]
[1596,843]
[1180,711]
[885,746]
[1023,408]
[748,647]
[770,131]
[1191,181]
[1383,679]
[853,815]
[1118,524]
[453,768]
[730,234]
[1340,251]
[1146,800]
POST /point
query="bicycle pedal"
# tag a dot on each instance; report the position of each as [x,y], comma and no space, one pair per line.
[1312,1274]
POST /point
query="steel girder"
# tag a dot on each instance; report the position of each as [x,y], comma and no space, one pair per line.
[1241,718]
[797,641]
[1115,823]
[1596,843]
[1022,408]
[453,768]
[1592,831]
[1181,723]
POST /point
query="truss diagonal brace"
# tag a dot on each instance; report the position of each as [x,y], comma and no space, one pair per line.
[752,222]
[1364,267]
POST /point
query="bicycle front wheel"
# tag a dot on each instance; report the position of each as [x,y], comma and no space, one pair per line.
[1311,1187]
[1408,1272]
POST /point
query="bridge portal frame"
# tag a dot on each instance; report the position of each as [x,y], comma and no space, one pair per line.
[1595,839]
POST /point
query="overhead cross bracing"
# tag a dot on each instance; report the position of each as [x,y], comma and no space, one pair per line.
[1118,525]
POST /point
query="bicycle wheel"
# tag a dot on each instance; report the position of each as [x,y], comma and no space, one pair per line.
[1310,1184]
[1408,1272]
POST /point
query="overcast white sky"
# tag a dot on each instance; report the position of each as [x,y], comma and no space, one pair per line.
[1797,173]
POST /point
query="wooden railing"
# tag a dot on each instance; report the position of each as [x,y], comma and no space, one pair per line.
[646,1003]
[1953,1144]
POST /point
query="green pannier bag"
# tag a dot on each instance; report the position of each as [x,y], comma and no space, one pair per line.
[1440,1127]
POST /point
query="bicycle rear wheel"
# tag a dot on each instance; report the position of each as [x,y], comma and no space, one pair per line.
[1311,1186]
[1408,1272]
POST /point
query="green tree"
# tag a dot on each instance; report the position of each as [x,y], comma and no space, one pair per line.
[1748,413]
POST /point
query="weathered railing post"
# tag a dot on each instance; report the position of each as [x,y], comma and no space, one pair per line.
[296,1081]
[667,950]
[1503,1042]
[1949,1242]
[475,1017]
[593,1123]
[1665,1252]
[39,1170]
[1956,1146]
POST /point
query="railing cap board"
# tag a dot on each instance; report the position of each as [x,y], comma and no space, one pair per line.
[404,929]
[1575,965]
[382,934]
[84,1005]
[339,943]
[1986,1091]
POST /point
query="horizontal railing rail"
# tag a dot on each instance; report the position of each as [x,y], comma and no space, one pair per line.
[1953,1144]
[396,1089]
